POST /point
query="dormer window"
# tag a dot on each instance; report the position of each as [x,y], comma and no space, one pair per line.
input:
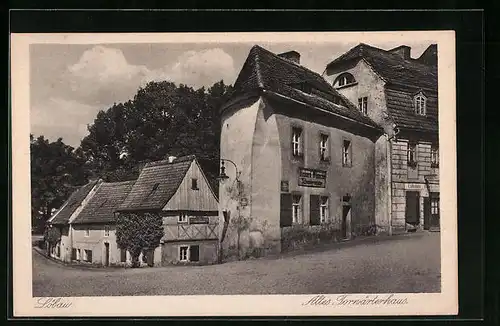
[344,80]
[420,103]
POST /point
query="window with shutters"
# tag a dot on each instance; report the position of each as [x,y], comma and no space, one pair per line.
[323,148]
[296,208]
[183,253]
[346,153]
[323,209]
[297,141]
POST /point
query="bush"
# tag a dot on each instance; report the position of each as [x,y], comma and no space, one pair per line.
[303,236]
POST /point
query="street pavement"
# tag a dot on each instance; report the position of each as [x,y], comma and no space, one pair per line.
[401,264]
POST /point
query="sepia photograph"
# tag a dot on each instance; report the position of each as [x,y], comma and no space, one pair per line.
[217,168]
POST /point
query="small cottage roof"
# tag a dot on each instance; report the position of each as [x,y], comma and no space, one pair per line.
[101,207]
[63,215]
[157,183]
[264,70]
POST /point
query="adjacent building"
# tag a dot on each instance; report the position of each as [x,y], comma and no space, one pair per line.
[303,154]
[400,94]
[178,190]
[92,230]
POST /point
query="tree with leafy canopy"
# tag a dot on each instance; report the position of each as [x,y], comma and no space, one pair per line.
[163,119]
[56,171]
[138,232]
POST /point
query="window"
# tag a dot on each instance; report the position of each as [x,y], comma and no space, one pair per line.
[106,231]
[420,104]
[296,208]
[87,232]
[363,105]
[297,142]
[183,253]
[344,79]
[183,218]
[323,147]
[434,156]
[346,153]
[194,184]
[412,154]
[323,209]
[435,206]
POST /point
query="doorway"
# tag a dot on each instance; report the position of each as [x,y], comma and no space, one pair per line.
[346,217]
[106,254]
[412,214]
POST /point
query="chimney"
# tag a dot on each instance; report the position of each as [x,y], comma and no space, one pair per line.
[171,158]
[292,56]
[403,51]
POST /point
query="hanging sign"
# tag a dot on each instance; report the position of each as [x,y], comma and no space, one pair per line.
[199,220]
[312,178]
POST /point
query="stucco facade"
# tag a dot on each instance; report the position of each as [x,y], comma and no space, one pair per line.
[257,137]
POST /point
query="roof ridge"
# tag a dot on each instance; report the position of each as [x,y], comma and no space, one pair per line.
[119,182]
[291,64]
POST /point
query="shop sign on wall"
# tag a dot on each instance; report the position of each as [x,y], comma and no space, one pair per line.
[312,178]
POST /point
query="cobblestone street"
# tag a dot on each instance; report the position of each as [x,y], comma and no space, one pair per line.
[408,263]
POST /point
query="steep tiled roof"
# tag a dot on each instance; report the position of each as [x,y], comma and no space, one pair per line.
[107,198]
[405,78]
[401,108]
[264,70]
[157,183]
[68,208]
[392,67]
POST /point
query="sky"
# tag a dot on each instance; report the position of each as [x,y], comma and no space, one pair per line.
[71,83]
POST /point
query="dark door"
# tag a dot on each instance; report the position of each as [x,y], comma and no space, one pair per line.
[413,207]
[150,257]
[345,213]
[194,253]
[434,209]
[106,254]
[427,213]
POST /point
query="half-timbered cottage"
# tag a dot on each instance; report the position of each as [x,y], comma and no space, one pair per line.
[178,190]
[304,155]
[401,94]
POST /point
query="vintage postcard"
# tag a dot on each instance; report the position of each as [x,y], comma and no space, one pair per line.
[234,174]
